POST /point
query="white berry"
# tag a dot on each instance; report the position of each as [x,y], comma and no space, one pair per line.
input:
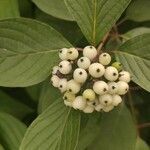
[83,62]
[111,73]
[79,103]
[62,85]
[108,108]
[89,95]
[80,75]
[63,53]
[116,100]
[104,58]
[73,86]
[67,103]
[112,87]
[93,103]
[96,70]
[88,109]
[65,67]
[72,54]
[55,69]
[124,76]
[55,80]
[100,87]
[123,87]
[90,52]
[105,100]
[99,107]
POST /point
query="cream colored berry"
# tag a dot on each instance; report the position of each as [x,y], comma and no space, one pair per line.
[124,76]
[73,86]
[63,53]
[67,103]
[108,108]
[70,97]
[104,58]
[79,103]
[90,52]
[72,54]
[62,85]
[105,100]
[93,103]
[83,62]
[111,73]
[123,87]
[65,67]
[89,95]
[116,100]
[112,87]
[96,70]
[55,70]
[55,80]
[100,87]
[99,107]
[88,109]
[80,75]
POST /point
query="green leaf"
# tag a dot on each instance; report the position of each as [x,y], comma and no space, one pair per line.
[89,132]
[136,32]
[56,8]
[133,12]
[26,8]
[117,131]
[1,147]
[57,128]
[96,17]
[135,57]
[11,131]
[33,91]
[68,29]
[9,9]
[9,105]
[28,51]
[141,145]
[48,95]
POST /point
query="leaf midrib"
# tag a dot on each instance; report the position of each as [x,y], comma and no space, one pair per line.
[131,55]
[29,54]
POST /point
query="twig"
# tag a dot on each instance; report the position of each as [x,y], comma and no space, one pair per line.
[79,49]
[144,125]
[122,21]
[102,42]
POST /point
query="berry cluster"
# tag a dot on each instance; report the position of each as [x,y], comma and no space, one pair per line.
[87,80]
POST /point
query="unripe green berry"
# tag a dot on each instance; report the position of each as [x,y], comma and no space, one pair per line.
[89,95]
[117,65]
